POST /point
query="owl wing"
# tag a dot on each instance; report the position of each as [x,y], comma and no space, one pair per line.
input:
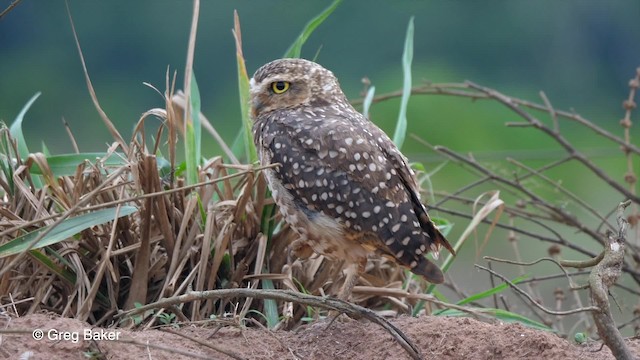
[343,166]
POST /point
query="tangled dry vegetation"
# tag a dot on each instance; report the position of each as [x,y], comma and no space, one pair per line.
[210,235]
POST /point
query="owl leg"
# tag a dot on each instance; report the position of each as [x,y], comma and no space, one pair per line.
[301,249]
[352,272]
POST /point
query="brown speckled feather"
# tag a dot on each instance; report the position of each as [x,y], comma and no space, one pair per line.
[340,175]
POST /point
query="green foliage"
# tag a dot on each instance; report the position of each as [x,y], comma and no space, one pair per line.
[270,306]
[495,290]
[193,137]
[296,48]
[66,164]
[7,158]
[580,338]
[167,318]
[138,319]
[407,57]
[502,315]
[65,230]
[245,136]
[17,134]
[16,127]
[61,271]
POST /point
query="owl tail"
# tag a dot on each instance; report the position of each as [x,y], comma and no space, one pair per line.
[429,271]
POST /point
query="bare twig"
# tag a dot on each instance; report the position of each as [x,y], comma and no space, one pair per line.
[462,90]
[352,310]
[559,263]
[561,140]
[526,295]
[9,8]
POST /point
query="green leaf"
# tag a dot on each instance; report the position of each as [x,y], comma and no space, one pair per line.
[482,295]
[407,57]
[6,158]
[238,147]
[66,164]
[63,273]
[580,338]
[17,134]
[250,152]
[63,231]
[443,225]
[501,315]
[296,48]
[194,134]
[491,292]
[16,127]
[45,149]
[270,306]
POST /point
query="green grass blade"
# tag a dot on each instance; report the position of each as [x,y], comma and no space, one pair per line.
[16,127]
[66,164]
[296,48]
[18,135]
[45,149]
[194,134]
[63,231]
[62,272]
[270,306]
[407,57]
[6,158]
[243,87]
[498,289]
[481,295]
[368,100]
[237,147]
[502,315]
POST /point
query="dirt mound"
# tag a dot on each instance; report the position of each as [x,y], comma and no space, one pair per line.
[437,338]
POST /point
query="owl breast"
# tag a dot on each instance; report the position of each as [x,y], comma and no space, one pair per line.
[324,234]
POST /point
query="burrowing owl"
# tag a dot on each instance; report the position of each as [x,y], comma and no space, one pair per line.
[342,184]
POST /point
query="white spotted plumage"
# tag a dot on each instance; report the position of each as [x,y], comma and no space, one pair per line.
[342,184]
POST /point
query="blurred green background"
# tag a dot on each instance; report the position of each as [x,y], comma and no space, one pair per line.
[580,53]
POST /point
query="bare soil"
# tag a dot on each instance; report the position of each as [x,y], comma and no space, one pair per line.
[437,338]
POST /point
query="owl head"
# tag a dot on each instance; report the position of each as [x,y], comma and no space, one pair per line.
[292,83]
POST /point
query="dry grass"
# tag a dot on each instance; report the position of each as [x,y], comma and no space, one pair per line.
[221,231]
[213,235]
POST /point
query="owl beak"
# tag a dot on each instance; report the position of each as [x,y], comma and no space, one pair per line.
[256,106]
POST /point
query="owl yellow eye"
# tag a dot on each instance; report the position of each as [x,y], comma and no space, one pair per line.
[279,87]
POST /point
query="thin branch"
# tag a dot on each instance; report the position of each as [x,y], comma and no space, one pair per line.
[568,193]
[9,8]
[525,294]
[561,140]
[570,219]
[458,89]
